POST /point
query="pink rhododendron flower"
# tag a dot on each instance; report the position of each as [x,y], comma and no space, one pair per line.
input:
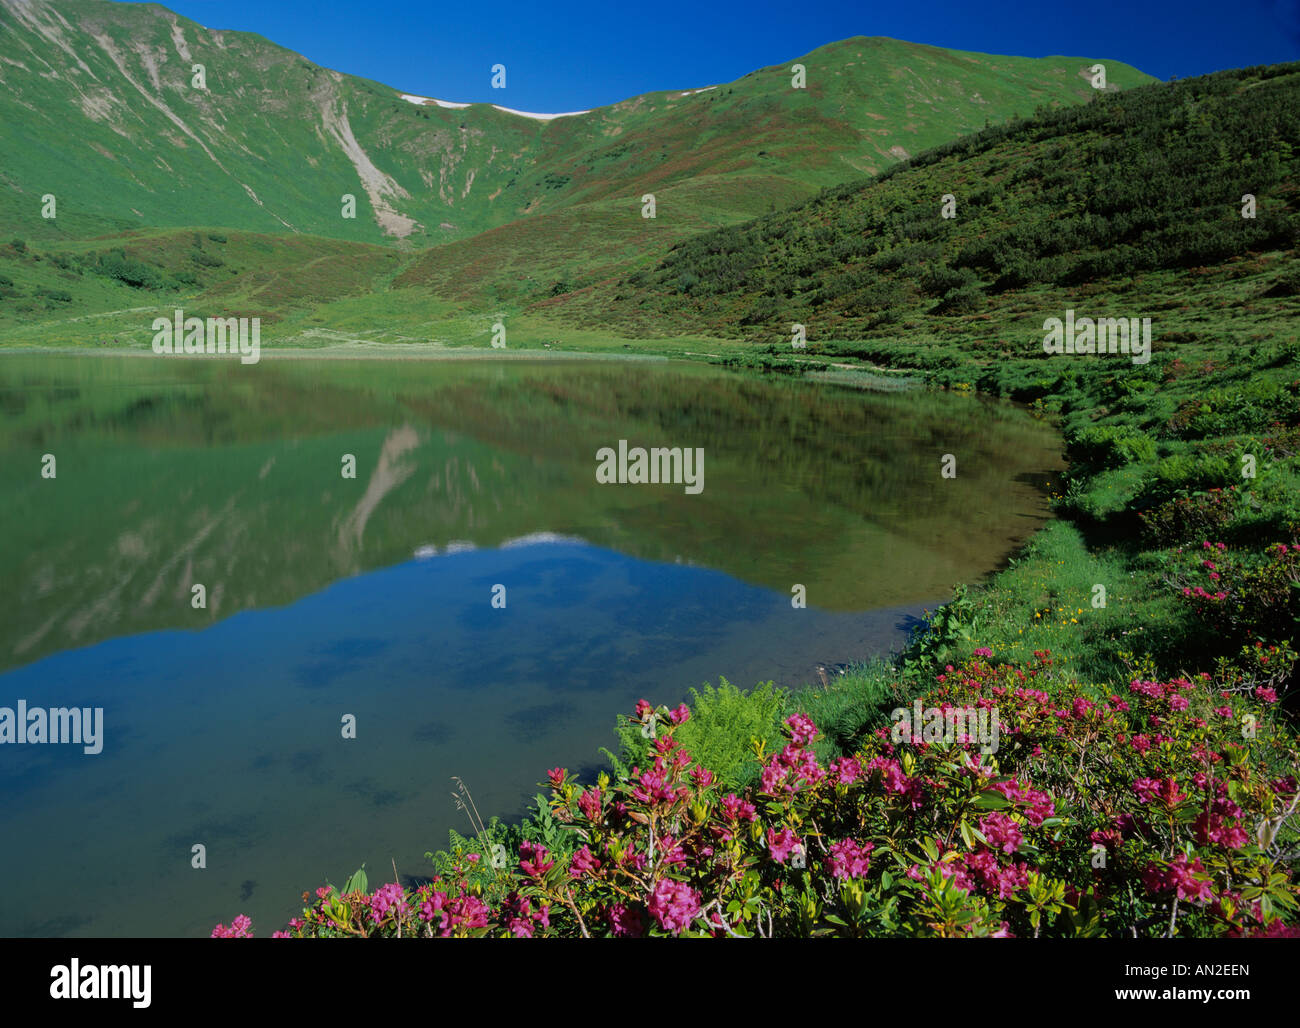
[802,729]
[240,928]
[1039,807]
[583,862]
[625,921]
[1002,833]
[701,776]
[846,770]
[389,897]
[533,859]
[589,804]
[781,844]
[849,859]
[737,809]
[673,904]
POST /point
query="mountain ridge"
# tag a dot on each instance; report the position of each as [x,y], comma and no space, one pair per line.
[100,112]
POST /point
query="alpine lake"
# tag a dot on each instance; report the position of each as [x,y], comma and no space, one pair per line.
[475,600]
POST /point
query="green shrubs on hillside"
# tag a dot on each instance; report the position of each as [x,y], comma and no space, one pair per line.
[1063,200]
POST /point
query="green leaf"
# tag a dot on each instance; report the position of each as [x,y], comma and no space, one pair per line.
[991,799]
[357,881]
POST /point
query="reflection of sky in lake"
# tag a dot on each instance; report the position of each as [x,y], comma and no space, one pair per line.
[230,737]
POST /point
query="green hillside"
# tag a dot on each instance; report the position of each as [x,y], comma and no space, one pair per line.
[1131,186]
[100,111]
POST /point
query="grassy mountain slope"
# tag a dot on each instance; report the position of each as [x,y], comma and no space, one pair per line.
[100,111]
[754,146]
[1135,184]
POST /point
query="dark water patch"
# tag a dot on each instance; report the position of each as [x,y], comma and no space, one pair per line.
[435,733]
[532,723]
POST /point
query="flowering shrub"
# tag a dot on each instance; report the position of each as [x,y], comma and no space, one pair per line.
[1242,596]
[1166,809]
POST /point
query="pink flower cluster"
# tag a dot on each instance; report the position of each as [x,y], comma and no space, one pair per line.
[1182,877]
[1165,790]
[583,862]
[673,905]
[1002,832]
[781,844]
[796,766]
[849,859]
[519,915]
[1039,805]
[894,780]
[240,928]
[389,897]
[534,860]
[451,913]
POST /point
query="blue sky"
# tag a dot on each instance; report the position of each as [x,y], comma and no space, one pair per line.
[579,55]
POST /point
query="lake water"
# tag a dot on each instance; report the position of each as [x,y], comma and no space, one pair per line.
[372,596]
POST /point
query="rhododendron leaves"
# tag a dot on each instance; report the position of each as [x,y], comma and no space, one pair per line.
[991,799]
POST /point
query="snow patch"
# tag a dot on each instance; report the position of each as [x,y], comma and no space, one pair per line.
[425,100]
[538,539]
[411,98]
[532,539]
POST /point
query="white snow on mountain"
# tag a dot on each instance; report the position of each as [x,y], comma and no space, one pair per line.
[422,100]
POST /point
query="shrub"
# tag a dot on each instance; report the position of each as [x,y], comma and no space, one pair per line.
[1187,518]
[129,271]
[724,721]
[1111,446]
[964,300]
[1242,596]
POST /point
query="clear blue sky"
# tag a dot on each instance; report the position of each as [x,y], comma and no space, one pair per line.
[572,56]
